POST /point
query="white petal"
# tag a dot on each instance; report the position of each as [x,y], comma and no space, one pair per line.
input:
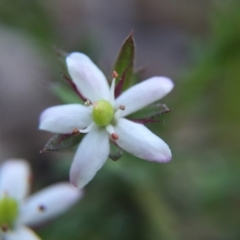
[88,78]
[90,157]
[65,118]
[14,178]
[136,139]
[22,233]
[143,94]
[48,203]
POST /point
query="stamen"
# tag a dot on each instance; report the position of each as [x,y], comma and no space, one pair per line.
[117,114]
[75,131]
[88,103]
[110,130]
[112,92]
[115,74]
[114,136]
[122,107]
[41,208]
[91,127]
[4,227]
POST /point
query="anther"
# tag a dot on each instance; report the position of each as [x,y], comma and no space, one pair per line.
[4,227]
[114,136]
[41,208]
[75,132]
[122,107]
[87,103]
[115,74]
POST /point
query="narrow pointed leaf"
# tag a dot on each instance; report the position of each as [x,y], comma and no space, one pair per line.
[61,142]
[125,62]
[149,114]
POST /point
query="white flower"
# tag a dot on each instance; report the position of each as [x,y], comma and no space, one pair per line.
[103,118]
[17,211]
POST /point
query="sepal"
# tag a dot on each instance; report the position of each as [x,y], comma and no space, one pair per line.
[124,64]
[61,142]
[115,152]
[151,113]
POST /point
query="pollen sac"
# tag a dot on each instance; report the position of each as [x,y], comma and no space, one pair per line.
[102,113]
[8,212]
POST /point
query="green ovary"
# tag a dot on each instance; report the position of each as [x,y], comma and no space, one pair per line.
[102,113]
[8,211]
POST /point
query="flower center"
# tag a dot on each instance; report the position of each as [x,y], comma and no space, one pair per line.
[8,212]
[102,113]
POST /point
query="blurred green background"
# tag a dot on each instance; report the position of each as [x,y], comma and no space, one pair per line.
[197,44]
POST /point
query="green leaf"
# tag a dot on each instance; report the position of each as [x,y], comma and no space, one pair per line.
[61,142]
[124,64]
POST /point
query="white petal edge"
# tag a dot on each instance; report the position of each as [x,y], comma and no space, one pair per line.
[48,203]
[136,139]
[21,233]
[14,178]
[65,118]
[91,154]
[143,94]
[88,78]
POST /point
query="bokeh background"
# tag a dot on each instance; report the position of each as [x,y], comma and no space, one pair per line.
[197,44]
